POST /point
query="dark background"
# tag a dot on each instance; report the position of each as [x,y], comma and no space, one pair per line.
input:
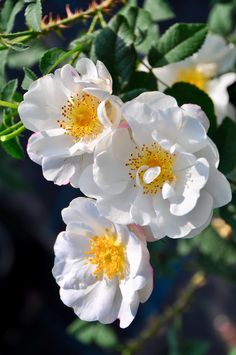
[33,320]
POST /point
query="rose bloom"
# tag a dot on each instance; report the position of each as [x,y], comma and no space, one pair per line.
[206,69]
[161,172]
[102,268]
[69,111]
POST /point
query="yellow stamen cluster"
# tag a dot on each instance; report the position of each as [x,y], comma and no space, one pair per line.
[108,254]
[80,117]
[151,156]
[193,76]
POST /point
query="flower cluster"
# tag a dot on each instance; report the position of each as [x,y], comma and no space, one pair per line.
[147,166]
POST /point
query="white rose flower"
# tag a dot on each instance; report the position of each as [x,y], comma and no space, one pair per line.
[102,268]
[206,69]
[164,174]
[69,111]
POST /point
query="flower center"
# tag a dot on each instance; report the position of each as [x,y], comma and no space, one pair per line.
[193,76]
[80,117]
[108,254]
[150,167]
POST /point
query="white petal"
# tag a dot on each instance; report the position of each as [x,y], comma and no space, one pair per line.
[187,189]
[151,174]
[167,191]
[196,112]
[87,184]
[142,209]
[104,74]
[86,69]
[58,169]
[219,188]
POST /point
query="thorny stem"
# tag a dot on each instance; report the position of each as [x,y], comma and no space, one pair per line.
[21,37]
[151,71]
[156,324]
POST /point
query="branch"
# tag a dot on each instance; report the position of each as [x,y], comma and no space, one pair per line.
[156,324]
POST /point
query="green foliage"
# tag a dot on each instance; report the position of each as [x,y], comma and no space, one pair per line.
[8,14]
[232,352]
[188,93]
[33,14]
[9,89]
[178,42]
[160,10]
[99,334]
[26,58]
[225,141]
[14,148]
[140,82]
[114,47]
[28,78]
[49,58]
[221,18]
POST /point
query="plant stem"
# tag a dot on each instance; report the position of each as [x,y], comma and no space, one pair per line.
[8,104]
[11,128]
[58,24]
[156,324]
[63,57]
[14,134]
[151,71]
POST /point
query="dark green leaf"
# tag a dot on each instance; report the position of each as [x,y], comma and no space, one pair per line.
[33,15]
[3,60]
[178,42]
[159,9]
[131,94]
[151,37]
[232,93]
[14,148]
[186,93]
[221,18]
[28,78]
[114,47]
[49,58]
[9,90]
[142,79]
[225,141]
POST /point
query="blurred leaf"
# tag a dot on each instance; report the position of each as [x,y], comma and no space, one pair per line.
[114,47]
[8,90]
[178,42]
[85,40]
[225,141]
[18,47]
[222,18]
[188,93]
[27,57]
[33,15]
[3,60]
[49,58]
[160,10]
[28,78]
[195,347]
[105,337]
[8,14]
[232,352]
[14,148]
[131,94]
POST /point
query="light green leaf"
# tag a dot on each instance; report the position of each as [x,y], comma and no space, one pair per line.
[49,58]
[221,18]
[8,14]
[225,141]
[178,42]
[186,93]
[232,352]
[33,15]
[26,58]
[28,78]
[151,38]
[3,61]
[8,90]
[160,10]
[14,148]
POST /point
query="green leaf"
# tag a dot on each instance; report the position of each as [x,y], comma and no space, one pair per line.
[28,78]
[160,10]
[18,47]
[33,15]
[178,42]
[114,47]
[105,337]
[26,58]
[232,352]
[8,14]
[9,89]
[14,148]
[151,37]
[142,79]
[187,93]
[131,94]
[49,58]
[3,61]
[225,141]
[221,18]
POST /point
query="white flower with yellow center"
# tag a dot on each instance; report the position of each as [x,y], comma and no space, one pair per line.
[102,268]
[70,112]
[161,172]
[206,69]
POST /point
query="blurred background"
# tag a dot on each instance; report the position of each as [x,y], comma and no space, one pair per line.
[33,320]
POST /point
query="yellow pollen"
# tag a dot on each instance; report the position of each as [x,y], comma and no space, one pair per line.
[193,76]
[151,156]
[80,117]
[108,254]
